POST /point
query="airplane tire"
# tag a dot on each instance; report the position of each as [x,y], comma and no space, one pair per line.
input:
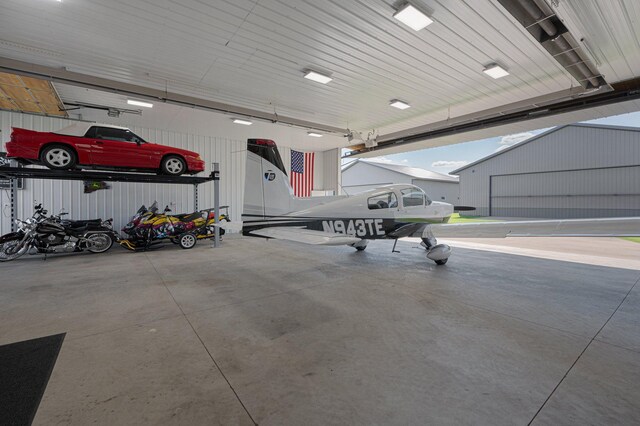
[441,262]
[361,248]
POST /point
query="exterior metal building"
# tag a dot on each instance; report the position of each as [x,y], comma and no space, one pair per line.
[573,171]
[362,175]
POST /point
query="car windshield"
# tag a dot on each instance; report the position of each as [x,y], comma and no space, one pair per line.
[114,134]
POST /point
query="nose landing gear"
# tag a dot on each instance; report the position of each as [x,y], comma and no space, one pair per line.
[439,253]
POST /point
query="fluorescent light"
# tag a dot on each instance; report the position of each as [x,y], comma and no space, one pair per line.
[399,104]
[316,76]
[495,71]
[314,134]
[139,103]
[412,17]
[245,122]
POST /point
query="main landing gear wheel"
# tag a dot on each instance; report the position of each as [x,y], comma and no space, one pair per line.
[360,245]
[58,157]
[441,262]
[173,165]
[187,241]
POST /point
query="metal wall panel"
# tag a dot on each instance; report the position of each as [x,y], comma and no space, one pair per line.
[447,192]
[610,192]
[567,149]
[123,199]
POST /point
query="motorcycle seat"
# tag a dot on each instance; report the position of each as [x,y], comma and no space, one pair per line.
[74,224]
[188,217]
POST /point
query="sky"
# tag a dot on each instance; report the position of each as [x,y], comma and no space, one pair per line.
[444,159]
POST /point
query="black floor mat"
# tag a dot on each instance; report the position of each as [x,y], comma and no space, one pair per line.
[25,368]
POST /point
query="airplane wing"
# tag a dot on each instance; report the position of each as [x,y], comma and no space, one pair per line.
[606,227]
[306,236]
[296,234]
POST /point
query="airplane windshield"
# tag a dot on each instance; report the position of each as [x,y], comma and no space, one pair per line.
[412,197]
[383,201]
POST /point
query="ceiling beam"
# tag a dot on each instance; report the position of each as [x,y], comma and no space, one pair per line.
[607,95]
[62,75]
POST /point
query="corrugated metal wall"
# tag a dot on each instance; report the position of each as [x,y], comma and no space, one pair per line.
[606,192]
[576,171]
[447,192]
[123,199]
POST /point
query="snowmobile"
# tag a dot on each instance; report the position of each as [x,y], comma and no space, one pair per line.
[147,227]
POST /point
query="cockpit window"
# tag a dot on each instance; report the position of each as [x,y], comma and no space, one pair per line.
[412,197]
[383,201]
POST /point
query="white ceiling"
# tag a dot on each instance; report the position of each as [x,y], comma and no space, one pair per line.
[190,121]
[252,53]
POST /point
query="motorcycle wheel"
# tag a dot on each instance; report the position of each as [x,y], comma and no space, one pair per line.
[99,242]
[11,250]
[187,241]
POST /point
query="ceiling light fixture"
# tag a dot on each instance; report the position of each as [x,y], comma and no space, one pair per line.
[244,122]
[396,103]
[495,71]
[412,17]
[139,103]
[314,134]
[316,76]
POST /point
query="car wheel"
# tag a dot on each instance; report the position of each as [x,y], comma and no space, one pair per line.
[173,165]
[58,157]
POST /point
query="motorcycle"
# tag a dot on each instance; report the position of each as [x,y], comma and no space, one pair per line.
[148,227]
[51,234]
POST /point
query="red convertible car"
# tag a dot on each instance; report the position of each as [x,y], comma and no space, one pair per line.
[100,146]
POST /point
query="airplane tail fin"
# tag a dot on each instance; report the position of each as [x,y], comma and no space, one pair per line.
[267,191]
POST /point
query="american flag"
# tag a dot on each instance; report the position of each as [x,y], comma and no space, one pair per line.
[302,173]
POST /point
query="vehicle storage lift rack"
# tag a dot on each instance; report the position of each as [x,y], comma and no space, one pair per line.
[15,173]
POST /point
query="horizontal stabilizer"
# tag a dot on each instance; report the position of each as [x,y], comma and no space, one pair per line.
[230,226]
[306,236]
[607,227]
[463,208]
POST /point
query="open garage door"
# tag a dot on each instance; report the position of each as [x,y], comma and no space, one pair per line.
[605,192]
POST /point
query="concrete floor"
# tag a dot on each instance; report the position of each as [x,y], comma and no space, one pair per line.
[277,333]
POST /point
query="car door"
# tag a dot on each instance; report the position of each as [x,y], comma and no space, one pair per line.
[118,148]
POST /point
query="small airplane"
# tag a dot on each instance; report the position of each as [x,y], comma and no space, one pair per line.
[388,212]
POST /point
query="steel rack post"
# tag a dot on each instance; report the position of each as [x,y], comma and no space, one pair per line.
[216,203]
[13,199]
[195,197]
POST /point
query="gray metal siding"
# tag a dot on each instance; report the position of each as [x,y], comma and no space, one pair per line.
[366,174]
[606,192]
[570,148]
[448,192]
